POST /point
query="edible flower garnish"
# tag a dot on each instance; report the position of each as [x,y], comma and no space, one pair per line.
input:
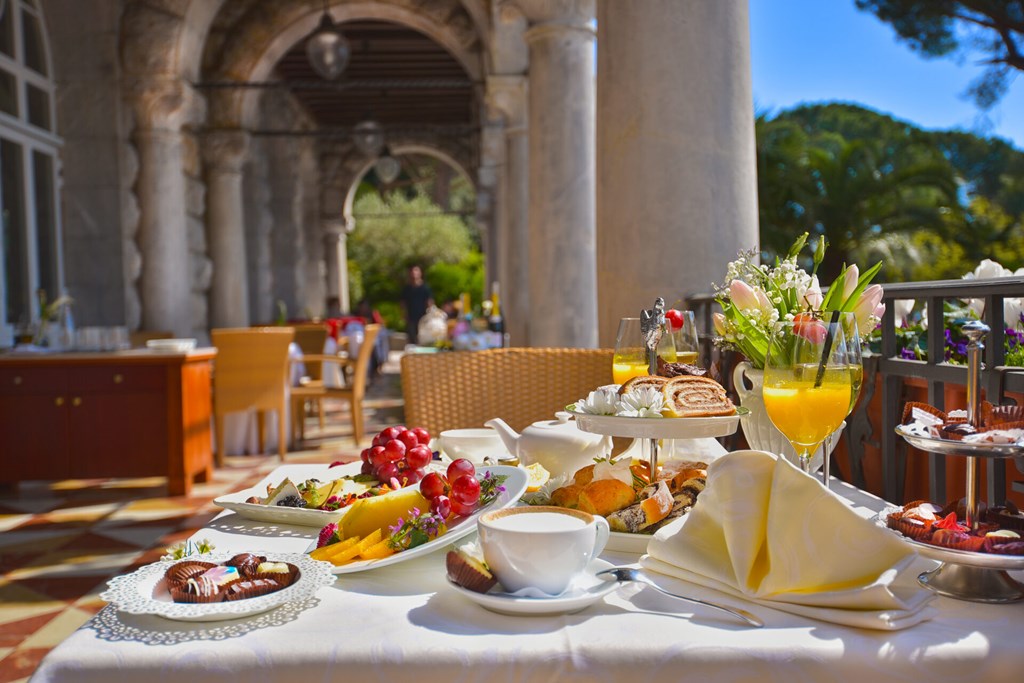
[328,535]
[186,548]
[601,401]
[949,522]
[490,486]
[542,496]
[420,528]
[644,402]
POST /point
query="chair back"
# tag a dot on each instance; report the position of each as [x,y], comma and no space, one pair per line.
[251,369]
[362,361]
[311,339]
[461,389]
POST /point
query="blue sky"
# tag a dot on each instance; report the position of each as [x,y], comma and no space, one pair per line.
[827,50]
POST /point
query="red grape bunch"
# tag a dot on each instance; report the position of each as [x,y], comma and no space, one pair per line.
[454,493]
[398,455]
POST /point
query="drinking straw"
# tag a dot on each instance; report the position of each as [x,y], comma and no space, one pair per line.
[830,336]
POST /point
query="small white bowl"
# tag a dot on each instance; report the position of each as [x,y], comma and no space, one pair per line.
[474,445]
[171,345]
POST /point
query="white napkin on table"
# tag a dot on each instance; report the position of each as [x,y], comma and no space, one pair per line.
[765,531]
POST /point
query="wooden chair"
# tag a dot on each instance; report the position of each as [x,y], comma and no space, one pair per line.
[311,338]
[251,373]
[464,389]
[353,392]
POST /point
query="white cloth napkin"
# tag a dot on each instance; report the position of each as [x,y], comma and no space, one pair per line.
[765,531]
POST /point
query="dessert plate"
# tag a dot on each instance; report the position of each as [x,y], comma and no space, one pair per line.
[660,428]
[623,542]
[952,447]
[144,591]
[588,589]
[515,485]
[952,555]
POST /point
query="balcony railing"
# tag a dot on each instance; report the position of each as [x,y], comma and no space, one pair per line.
[887,371]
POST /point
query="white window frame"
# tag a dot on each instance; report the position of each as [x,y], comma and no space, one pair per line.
[32,139]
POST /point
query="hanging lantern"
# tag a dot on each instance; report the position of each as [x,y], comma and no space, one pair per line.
[368,137]
[327,49]
[387,167]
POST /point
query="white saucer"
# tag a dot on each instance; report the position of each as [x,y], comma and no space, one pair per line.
[589,590]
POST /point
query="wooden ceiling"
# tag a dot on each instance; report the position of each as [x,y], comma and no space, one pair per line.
[396,76]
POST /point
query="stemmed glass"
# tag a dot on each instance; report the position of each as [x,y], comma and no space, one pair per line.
[685,339]
[855,363]
[807,382]
[630,359]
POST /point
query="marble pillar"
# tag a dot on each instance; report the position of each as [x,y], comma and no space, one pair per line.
[677,190]
[508,94]
[562,227]
[336,261]
[164,287]
[224,152]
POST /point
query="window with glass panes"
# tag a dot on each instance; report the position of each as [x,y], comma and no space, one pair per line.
[30,242]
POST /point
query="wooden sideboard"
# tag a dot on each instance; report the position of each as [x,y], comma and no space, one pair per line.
[92,415]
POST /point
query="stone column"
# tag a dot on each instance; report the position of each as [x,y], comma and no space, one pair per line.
[562,228]
[507,94]
[677,190]
[336,258]
[161,109]
[224,152]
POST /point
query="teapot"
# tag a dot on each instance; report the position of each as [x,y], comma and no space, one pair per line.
[558,445]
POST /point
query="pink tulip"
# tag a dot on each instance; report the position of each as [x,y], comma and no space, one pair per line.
[813,295]
[850,278]
[719,321]
[742,296]
[870,301]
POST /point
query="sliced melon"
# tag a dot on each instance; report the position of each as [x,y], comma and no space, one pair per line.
[284,489]
[367,515]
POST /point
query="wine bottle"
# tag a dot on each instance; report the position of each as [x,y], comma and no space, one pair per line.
[496,323]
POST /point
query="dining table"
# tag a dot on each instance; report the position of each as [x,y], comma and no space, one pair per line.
[404,622]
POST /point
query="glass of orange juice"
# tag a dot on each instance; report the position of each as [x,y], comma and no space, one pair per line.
[630,359]
[807,382]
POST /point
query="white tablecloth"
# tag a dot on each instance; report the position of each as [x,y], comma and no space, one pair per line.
[403,623]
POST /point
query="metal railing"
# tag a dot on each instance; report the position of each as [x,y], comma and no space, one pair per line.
[890,371]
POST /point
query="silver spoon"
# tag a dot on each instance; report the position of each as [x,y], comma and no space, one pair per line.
[631,574]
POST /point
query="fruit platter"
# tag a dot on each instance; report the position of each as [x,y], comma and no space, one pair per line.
[399,457]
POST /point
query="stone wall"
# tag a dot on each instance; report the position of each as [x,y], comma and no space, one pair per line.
[200,266]
[99,261]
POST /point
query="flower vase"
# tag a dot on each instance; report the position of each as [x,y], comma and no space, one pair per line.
[757,427]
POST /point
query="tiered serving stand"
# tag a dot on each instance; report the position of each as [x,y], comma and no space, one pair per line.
[654,429]
[978,577]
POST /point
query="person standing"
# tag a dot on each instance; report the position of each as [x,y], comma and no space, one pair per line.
[416,299]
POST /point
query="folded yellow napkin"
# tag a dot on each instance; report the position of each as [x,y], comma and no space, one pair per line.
[767,532]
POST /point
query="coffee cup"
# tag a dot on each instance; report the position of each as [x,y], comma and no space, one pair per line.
[539,546]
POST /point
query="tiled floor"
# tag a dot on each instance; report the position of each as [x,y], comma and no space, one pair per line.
[61,541]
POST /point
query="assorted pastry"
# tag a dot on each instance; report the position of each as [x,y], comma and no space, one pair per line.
[1000,530]
[679,390]
[996,424]
[243,576]
[623,493]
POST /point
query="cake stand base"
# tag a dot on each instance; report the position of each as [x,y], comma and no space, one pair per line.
[975,584]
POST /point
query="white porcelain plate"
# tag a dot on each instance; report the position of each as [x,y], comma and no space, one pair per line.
[623,542]
[171,345]
[588,589]
[144,591]
[276,514]
[515,485]
[660,428]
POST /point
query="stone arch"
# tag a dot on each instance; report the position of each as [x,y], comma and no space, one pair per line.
[353,171]
[252,52]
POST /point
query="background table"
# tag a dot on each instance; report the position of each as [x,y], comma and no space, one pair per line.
[118,414]
[403,623]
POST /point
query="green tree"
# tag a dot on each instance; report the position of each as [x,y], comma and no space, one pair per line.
[395,232]
[992,30]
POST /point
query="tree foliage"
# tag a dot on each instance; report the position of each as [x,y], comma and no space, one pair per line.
[990,29]
[930,205]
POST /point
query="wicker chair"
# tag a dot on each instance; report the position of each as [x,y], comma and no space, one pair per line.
[251,373]
[353,393]
[520,385]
